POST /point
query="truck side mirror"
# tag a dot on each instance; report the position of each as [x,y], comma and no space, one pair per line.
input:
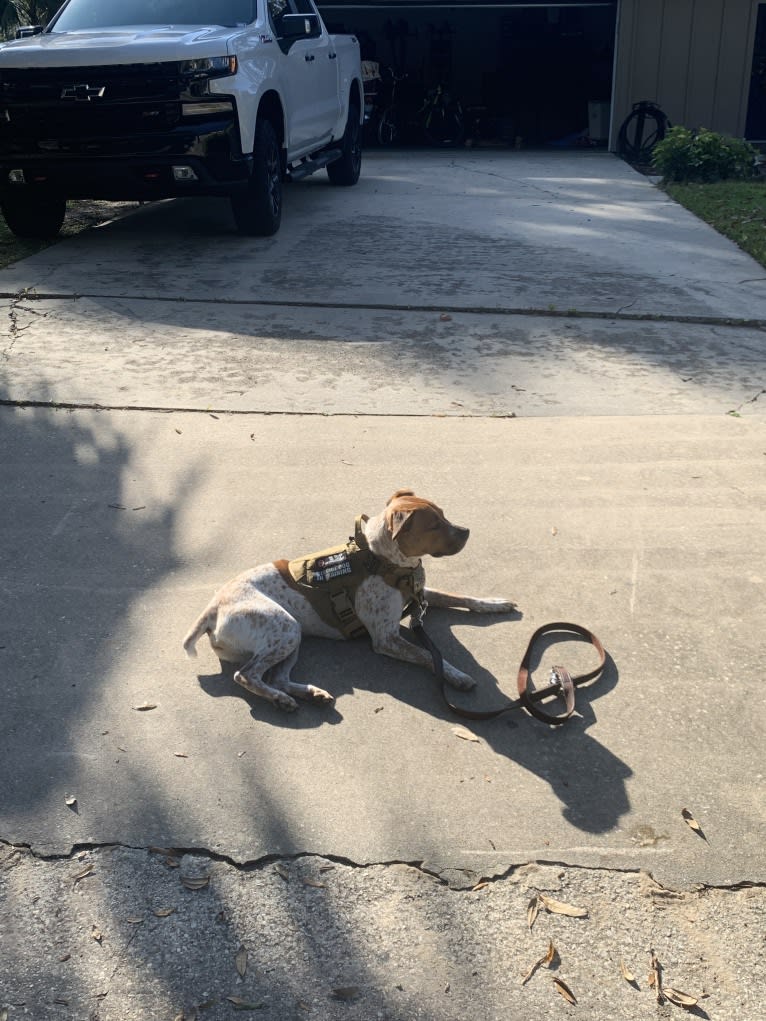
[27,30]
[299,26]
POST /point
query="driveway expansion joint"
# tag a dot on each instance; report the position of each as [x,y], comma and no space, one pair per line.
[618,315]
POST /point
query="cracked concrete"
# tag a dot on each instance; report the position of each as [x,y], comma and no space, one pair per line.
[451,324]
[121,934]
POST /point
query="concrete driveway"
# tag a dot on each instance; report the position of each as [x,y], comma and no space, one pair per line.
[543,343]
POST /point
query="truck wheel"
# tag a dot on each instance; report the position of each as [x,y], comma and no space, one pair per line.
[346,169]
[258,211]
[34,215]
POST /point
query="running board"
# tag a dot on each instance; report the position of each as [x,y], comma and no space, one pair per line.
[309,167]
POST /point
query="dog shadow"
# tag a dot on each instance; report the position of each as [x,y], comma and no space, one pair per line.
[588,779]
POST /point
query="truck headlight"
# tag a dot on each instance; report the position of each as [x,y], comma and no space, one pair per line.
[208,67]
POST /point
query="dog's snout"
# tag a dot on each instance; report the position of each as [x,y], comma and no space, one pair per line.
[461,537]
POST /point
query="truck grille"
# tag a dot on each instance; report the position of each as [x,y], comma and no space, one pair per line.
[90,102]
[120,82]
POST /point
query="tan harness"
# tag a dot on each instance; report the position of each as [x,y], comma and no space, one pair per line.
[329,580]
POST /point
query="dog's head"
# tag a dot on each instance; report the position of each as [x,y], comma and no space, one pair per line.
[420,528]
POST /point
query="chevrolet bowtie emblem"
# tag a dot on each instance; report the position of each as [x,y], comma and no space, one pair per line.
[83,93]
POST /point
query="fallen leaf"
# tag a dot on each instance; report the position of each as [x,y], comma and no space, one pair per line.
[96,934]
[241,961]
[178,431]
[163,912]
[533,909]
[62,959]
[346,993]
[314,883]
[195,882]
[181,755]
[282,872]
[3,1014]
[239,1004]
[565,991]
[60,1001]
[548,957]
[626,973]
[465,735]
[558,907]
[655,977]
[172,862]
[135,920]
[144,707]
[70,800]
[679,998]
[479,886]
[83,873]
[692,823]
[554,531]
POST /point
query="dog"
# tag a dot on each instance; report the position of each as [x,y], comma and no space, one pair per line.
[258,618]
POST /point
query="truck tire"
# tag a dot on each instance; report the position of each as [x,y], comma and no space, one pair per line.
[34,215]
[258,211]
[345,170]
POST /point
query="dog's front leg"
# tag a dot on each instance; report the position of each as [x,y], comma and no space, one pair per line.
[379,607]
[448,600]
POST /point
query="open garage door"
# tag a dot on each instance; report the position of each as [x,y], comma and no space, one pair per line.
[523,74]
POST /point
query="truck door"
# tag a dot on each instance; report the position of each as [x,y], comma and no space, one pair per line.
[310,79]
[326,96]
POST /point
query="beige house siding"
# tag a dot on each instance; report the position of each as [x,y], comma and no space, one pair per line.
[692,57]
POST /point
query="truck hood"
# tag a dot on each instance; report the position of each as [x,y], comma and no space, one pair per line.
[134,45]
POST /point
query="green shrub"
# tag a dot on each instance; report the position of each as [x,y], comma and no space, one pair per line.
[702,155]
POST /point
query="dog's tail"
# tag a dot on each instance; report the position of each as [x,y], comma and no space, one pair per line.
[203,626]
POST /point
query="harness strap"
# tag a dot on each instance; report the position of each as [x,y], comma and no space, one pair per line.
[562,683]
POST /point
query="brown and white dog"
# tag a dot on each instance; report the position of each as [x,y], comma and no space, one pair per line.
[257,619]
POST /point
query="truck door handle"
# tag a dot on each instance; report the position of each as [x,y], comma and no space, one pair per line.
[309,57]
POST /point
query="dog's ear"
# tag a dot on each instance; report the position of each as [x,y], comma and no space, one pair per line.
[398,493]
[398,520]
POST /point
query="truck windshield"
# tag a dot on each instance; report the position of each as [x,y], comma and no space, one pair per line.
[85,14]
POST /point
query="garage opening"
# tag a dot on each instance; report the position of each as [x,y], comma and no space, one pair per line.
[508,74]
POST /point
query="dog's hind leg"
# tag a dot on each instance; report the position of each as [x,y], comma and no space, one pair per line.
[279,677]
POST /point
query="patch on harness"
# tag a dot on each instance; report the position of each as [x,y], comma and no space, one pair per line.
[335,565]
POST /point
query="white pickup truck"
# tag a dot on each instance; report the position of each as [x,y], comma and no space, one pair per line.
[148,99]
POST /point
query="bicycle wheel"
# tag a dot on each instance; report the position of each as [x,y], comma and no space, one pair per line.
[388,127]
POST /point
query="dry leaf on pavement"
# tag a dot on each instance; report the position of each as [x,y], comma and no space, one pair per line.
[241,961]
[626,973]
[548,958]
[692,823]
[346,993]
[465,735]
[533,909]
[565,991]
[679,998]
[558,907]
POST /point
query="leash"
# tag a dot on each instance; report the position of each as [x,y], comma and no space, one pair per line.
[561,684]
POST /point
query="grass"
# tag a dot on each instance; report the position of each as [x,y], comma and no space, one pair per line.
[736,209]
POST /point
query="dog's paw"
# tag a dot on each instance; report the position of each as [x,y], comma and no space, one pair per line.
[321,696]
[496,605]
[284,702]
[457,679]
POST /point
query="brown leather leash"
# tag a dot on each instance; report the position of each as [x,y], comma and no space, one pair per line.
[562,684]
